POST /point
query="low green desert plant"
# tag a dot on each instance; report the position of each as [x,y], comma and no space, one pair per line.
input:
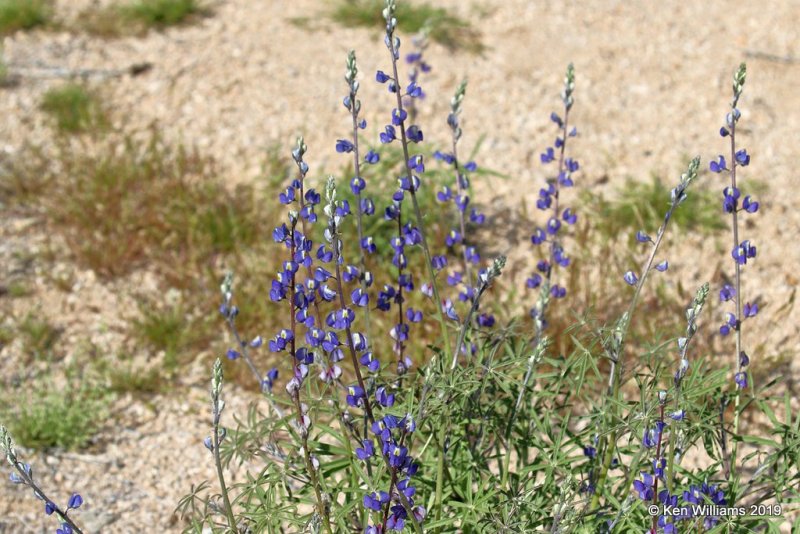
[74,108]
[24,14]
[443,27]
[138,16]
[51,415]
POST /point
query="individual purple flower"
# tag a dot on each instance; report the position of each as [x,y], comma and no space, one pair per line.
[749,205]
[741,379]
[360,297]
[644,488]
[343,145]
[370,362]
[367,451]
[414,134]
[413,316]
[719,165]
[384,398]
[742,158]
[398,116]
[630,278]
[375,501]
[743,252]
[750,310]
[388,135]
[75,502]
[355,395]
[372,157]
[727,293]
[662,266]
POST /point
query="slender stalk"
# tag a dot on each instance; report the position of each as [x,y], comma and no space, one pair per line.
[399,345]
[621,331]
[417,213]
[28,481]
[355,107]
[249,360]
[495,270]
[539,349]
[654,529]
[357,369]
[216,391]
[295,393]
[554,242]
[738,300]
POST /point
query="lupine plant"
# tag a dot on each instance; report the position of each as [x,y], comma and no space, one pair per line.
[742,251]
[549,200]
[465,422]
[22,474]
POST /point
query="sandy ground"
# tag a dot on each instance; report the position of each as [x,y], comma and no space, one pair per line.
[653,83]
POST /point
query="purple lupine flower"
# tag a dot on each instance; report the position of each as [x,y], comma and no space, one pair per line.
[367,451]
[384,398]
[644,487]
[718,166]
[388,135]
[370,362]
[414,134]
[343,145]
[630,278]
[355,395]
[749,205]
[372,157]
[75,502]
[727,293]
[730,323]
[743,252]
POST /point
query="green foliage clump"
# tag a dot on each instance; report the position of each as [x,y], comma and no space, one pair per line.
[24,14]
[445,28]
[47,415]
[160,13]
[638,205]
[74,108]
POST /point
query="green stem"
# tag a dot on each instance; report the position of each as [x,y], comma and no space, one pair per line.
[440,474]
[417,212]
[618,348]
[220,475]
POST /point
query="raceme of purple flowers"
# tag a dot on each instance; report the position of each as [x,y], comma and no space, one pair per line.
[736,206]
[551,233]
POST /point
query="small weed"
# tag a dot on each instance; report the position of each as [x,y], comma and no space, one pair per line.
[123,376]
[639,205]
[166,329]
[150,204]
[445,28]
[45,415]
[74,108]
[161,13]
[24,14]
[39,335]
[16,289]
[135,18]
[6,335]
